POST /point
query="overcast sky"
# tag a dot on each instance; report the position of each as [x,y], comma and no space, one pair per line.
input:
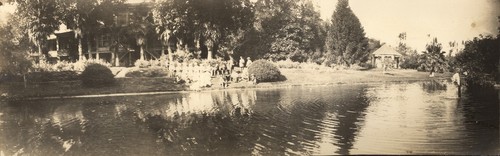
[448,20]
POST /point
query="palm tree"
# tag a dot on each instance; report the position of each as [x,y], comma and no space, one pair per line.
[140,26]
[433,59]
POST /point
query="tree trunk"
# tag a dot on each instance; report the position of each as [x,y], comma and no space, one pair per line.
[170,54]
[40,48]
[25,81]
[89,47]
[80,48]
[142,52]
[113,56]
[40,52]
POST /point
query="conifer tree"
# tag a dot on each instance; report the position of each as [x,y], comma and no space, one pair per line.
[347,37]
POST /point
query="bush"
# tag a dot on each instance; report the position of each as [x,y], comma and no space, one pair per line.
[365,66]
[42,66]
[148,72]
[410,62]
[63,66]
[46,76]
[265,71]
[288,64]
[97,75]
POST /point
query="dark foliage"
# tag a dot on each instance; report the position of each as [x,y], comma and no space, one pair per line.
[433,59]
[96,75]
[346,36]
[52,76]
[480,59]
[148,72]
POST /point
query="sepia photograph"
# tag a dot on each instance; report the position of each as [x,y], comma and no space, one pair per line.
[249,77]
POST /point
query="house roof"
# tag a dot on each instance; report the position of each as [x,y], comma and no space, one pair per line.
[386,50]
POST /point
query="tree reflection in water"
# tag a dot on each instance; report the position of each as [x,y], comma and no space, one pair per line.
[342,119]
[434,86]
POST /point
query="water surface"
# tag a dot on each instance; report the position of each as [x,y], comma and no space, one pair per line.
[392,118]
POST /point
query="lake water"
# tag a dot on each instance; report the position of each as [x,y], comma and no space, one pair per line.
[387,118]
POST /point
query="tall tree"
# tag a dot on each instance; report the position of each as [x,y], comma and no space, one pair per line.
[286,29]
[433,59]
[141,25]
[479,59]
[348,41]
[14,44]
[81,17]
[206,22]
[40,18]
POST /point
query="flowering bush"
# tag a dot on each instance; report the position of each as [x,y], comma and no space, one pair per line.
[80,65]
[142,63]
[42,66]
[163,60]
[182,56]
[155,63]
[63,66]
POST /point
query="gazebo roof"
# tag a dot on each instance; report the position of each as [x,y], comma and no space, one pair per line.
[386,50]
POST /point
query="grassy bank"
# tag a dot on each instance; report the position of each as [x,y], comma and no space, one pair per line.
[67,88]
[294,77]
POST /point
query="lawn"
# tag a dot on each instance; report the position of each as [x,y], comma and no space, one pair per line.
[141,84]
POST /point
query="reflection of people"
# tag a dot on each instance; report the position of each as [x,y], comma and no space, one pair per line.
[456,79]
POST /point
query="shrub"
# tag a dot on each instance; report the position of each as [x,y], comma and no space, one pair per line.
[97,75]
[46,76]
[42,66]
[142,63]
[265,71]
[182,56]
[156,63]
[63,66]
[288,64]
[365,66]
[410,62]
[148,72]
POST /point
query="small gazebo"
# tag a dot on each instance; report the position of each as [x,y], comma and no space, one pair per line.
[385,53]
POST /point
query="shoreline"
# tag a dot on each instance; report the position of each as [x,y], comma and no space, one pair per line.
[163,85]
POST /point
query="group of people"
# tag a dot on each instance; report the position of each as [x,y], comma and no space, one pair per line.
[228,71]
[232,73]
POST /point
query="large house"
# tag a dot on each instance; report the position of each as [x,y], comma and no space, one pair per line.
[62,44]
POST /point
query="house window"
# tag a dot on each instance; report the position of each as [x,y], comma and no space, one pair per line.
[104,40]
[121,19]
